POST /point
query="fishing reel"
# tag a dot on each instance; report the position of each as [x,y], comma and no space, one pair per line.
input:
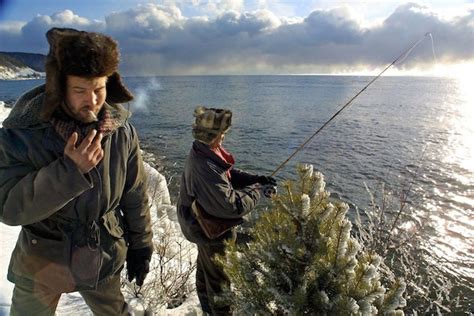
[269,190]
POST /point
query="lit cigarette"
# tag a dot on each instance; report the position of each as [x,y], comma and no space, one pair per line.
[93,116]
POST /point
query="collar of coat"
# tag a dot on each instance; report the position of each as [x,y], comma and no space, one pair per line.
[203,150]
[26,111]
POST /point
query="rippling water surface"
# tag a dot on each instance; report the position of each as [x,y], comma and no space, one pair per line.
[420,129]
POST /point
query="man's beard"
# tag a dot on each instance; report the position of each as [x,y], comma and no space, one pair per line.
[90,117]
[87,116]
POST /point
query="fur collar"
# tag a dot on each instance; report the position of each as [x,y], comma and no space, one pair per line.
[26,111]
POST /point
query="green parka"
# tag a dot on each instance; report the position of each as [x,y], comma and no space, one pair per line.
[43,191]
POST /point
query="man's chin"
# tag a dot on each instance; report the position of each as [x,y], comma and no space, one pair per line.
[87,117]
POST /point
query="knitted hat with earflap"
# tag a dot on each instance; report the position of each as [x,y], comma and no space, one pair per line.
[210,122]
[82,54]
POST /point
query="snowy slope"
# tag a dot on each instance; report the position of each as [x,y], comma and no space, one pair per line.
[7,243]
[72,304]
[15,73]
[3,112]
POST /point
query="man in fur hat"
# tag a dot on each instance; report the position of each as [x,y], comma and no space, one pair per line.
[72,176]
[211,187]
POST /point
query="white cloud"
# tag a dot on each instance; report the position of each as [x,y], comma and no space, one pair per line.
[30,36]
[280,8]
[12,27]
[144,20]
[159,39]
[207,7]
[223,6]
[66,18]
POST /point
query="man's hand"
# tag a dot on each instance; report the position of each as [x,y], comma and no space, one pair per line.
[263,180]
[138,264]
[89,152]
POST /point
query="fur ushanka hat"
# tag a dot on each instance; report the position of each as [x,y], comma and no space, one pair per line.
[210,122]
[83,54]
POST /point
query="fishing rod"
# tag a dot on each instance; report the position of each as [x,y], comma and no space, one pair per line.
[401,57]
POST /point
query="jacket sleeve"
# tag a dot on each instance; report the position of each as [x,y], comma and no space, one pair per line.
[134,202]
[29,195]
[218,197]
[240,178]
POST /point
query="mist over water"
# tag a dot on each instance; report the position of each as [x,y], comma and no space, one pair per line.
[402,129]
[143,94]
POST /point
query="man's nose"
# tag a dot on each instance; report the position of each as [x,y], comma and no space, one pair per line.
[92,98]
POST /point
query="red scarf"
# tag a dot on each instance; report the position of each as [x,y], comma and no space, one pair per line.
[224,155]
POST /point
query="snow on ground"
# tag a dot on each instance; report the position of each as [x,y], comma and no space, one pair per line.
[72,304]
[3,112]
[8,238]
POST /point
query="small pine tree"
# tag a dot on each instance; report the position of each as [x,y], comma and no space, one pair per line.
[303,260]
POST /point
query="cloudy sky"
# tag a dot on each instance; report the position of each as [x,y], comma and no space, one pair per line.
[256,36]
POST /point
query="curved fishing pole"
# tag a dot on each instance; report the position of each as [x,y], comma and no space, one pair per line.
[401,57]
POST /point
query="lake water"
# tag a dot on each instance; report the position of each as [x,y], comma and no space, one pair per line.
[401,129]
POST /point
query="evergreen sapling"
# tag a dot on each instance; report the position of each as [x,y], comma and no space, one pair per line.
[303,259]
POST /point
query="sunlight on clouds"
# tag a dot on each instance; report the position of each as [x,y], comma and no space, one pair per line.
[462,72]
[148,20]
[334,39]
[67,16]
[279,8]
[208,7]
[225,5]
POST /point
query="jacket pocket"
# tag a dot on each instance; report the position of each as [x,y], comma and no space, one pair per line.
[43,261]
[86,263]
[37,246]
[112,224]
[114,244]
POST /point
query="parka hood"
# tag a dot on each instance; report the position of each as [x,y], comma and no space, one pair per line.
[27,110]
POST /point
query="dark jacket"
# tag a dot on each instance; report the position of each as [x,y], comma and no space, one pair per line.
[205,179]
[43,191]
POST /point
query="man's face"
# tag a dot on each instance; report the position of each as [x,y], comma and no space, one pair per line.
[85,97]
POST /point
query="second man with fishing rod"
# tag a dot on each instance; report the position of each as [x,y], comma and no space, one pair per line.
[214,196]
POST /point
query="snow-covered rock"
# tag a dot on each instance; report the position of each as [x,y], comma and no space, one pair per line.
[15,73]
[157,187]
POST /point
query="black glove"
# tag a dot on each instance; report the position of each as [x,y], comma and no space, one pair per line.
[263,180]
[138,264]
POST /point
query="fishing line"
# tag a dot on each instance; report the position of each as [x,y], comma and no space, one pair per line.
[402,57]
[432,46]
